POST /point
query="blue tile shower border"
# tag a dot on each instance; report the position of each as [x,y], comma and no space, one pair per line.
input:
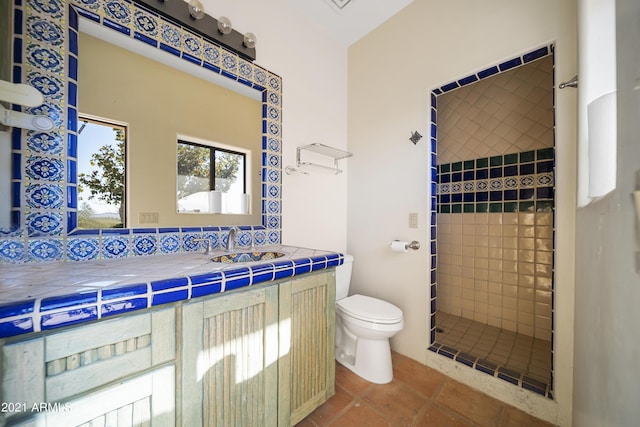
[433,208]
[517,182]
[44,186]
[490,368]
[41,314]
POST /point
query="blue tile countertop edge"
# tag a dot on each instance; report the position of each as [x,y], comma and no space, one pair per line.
[139,291]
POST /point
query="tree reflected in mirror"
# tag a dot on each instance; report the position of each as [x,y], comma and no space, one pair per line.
[101,174]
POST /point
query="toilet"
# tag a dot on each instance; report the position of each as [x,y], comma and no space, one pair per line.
[363,328]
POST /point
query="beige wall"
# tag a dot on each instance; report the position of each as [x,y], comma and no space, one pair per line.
[156,118]
[391,74]
[313,67]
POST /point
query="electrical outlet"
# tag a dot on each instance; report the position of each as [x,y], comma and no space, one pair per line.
[148,217]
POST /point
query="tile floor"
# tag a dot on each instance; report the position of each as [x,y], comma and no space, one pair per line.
[417,396]
[526,355]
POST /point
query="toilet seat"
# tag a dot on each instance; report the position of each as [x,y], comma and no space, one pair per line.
[370,309]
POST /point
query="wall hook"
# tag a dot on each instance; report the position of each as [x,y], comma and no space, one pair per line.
[571,83]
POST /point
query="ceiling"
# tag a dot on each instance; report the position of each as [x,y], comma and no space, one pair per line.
[349,20]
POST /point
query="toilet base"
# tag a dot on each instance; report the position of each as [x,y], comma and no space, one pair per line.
[372,360]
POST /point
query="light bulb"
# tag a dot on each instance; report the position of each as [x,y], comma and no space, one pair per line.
[196,9]
[224,25]
[250,40]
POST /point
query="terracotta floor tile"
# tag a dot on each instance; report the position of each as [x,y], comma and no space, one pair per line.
[434,416]
[360,415]
[332,407]
[395,401]
[419,377]
[418,396]
[470,403]
[512,417]
[350,381]
[306,423]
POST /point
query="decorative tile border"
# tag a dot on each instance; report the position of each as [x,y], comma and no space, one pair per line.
[519,182]
[433,113]
[41,314]
[44,185]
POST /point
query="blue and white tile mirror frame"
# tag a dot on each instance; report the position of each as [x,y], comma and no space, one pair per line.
[531,188]
[44,182]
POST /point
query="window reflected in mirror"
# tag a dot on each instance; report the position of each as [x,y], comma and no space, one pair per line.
[211,179]
[101,173]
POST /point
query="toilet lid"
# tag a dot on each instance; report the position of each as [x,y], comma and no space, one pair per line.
[369,309]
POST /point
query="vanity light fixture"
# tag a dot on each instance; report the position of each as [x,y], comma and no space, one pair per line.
[191,14]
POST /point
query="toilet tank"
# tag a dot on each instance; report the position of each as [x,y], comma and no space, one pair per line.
[343,277]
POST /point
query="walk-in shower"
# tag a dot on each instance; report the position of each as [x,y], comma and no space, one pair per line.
[492,238]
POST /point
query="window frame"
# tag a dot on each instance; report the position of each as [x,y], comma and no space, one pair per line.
[213,148]
[83,119]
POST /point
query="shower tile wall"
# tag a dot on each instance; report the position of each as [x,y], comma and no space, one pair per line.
[495,195]
[510,112]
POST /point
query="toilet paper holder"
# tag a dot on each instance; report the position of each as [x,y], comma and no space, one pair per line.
[415,245]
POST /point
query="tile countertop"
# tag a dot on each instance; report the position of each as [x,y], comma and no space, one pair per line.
[37,297]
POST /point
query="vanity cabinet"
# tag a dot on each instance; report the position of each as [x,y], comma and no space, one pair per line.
[257,356]
[103,370]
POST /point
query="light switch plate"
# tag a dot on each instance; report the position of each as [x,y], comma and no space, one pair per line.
[413,220]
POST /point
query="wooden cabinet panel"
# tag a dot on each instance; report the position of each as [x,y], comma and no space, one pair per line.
[229,359]
[23,373]
[144,400]
[88,357]
[307,345]
[65,364]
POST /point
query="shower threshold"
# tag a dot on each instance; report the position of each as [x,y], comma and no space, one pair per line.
[520,359]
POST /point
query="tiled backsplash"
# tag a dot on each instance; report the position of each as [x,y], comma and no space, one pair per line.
[44,185]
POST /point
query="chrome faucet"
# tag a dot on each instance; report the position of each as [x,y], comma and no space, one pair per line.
[231,239]
[208,248]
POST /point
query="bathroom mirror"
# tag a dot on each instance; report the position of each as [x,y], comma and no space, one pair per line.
[44,182]
[162,103]
[224,112]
